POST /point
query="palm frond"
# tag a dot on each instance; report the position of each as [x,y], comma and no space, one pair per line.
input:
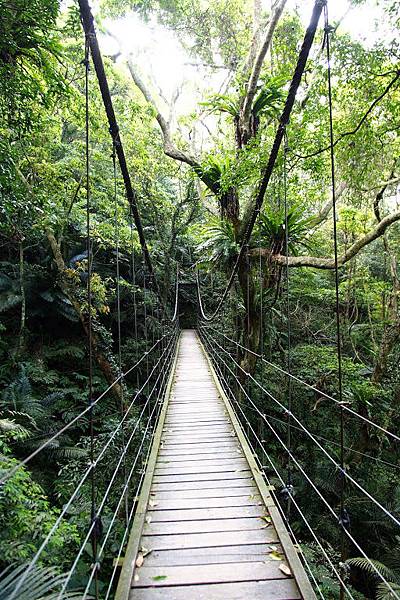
[41,583]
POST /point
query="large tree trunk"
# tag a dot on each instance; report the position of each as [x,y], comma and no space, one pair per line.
[99,356]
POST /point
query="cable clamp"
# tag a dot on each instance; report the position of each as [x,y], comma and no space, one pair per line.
[97,527]
[344,569]
[344,519]
[287,492]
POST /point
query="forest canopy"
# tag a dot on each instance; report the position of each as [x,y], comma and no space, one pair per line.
[198,90]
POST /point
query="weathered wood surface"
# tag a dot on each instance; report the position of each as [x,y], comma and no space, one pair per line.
[207,533]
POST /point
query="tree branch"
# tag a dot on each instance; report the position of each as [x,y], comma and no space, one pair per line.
[169,148]
[329,263]
[360,123]
[248,99]
[327,207]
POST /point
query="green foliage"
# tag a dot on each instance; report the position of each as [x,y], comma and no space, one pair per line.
[26,517]
[220,245]
[271,229]
[41,583]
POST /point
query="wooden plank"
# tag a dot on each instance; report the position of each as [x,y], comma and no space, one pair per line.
[201,477]
[210,526]
[215,457]
[201,446]
[194,514]
[201,485]
[224,501]
[249,492]
[196,468]
[235,462]
[205,556]
[277,589]
[210,540]
[198,574]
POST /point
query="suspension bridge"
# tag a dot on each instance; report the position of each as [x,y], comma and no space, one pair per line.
[191,485]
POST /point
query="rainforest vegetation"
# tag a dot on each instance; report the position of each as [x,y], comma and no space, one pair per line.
[196,152]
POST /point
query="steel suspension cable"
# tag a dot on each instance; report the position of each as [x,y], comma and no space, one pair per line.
[105,495]
[289,486]
[311,436]
[344,518]
[260,443]
[88,408]
[156,407]
[328,441]
[119,341]
[131,513]
[89,303]
[84,478]
[308,385]
[330,509]
[267,172]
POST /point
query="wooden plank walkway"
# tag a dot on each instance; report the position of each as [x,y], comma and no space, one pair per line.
[206,527]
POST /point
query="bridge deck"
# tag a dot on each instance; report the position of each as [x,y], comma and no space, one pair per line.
[206,526]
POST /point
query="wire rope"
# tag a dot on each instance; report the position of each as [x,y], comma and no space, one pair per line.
[267,172]
[93,464]
[311,436]
[305,520]
[309,386]
[105,495]
[331,510]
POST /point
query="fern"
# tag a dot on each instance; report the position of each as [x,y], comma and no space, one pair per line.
[383,593]
[367,566]
[40,584]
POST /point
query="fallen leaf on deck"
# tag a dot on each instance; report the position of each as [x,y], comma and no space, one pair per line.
[159,577]
[285,569]
[136,577]
[139,560]
[276,555]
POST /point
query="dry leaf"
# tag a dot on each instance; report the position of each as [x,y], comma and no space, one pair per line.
[285,569]
[274,548]
[148,520]
[152,503]
[136,577]
[139,560]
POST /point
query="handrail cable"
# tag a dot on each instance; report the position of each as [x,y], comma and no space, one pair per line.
[93,540]
[290,493]
[105,495]
[249,426]
[127,530]
[157,406]
[266,175]
[85,476]
[311,436]
[308,385]
[289,485]
[45,444]
[344,517]
[328,441]
[331,510]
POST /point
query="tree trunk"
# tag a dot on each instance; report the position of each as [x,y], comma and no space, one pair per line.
[102,361]
[251,321]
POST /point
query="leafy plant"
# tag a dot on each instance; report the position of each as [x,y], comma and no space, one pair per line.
[41,583]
